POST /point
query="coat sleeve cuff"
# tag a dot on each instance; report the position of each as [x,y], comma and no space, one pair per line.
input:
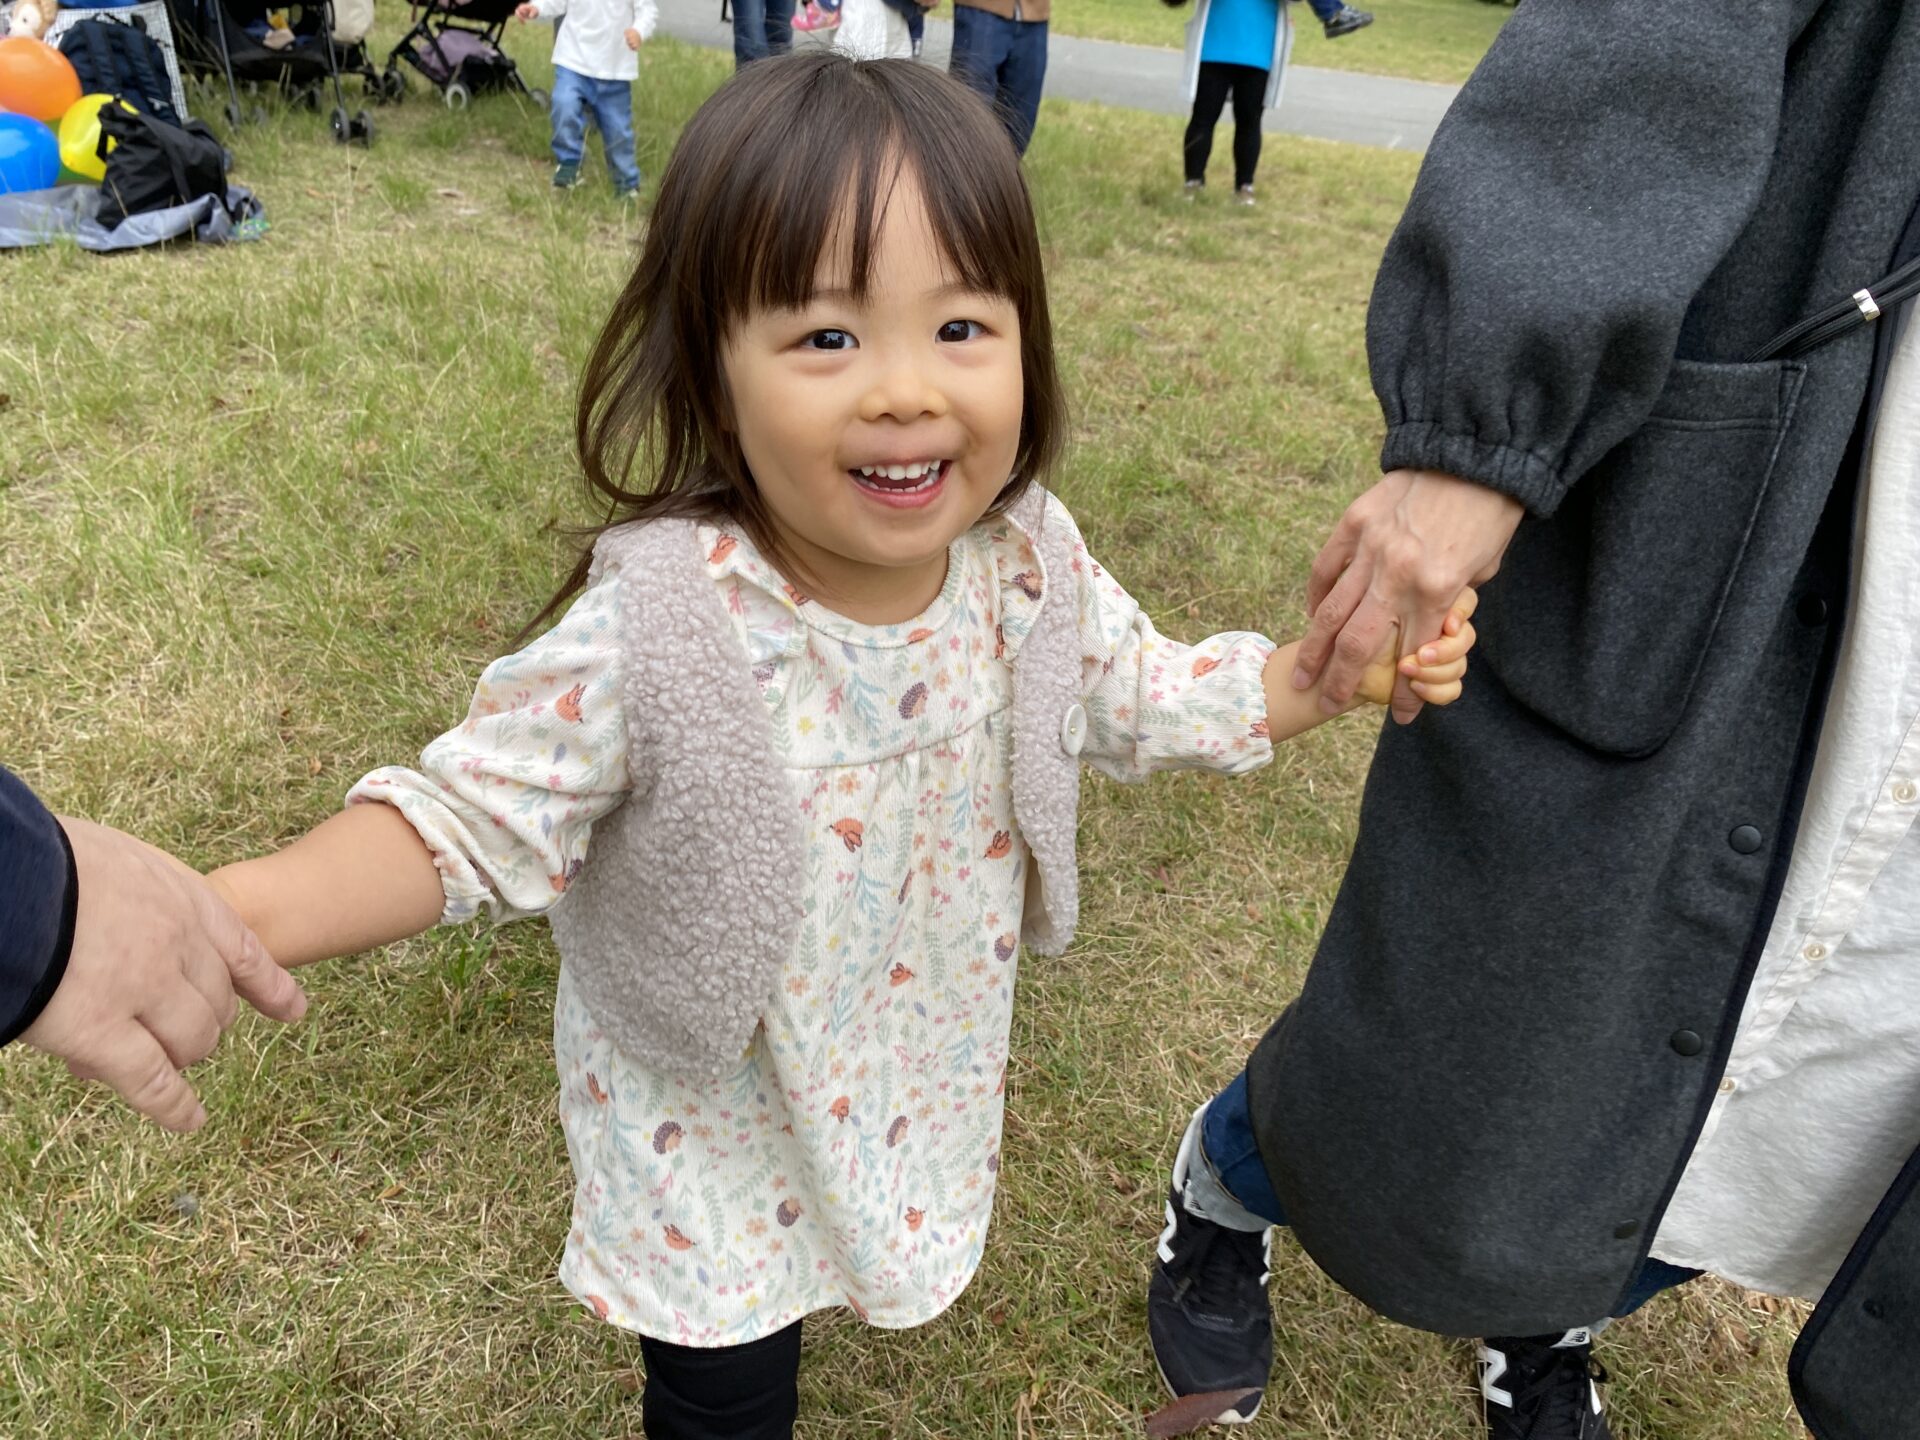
[1423,445]
[56,971]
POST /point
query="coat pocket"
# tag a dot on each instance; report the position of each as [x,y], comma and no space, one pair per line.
[1603,612]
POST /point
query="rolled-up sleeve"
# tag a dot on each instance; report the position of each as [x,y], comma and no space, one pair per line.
[508,800]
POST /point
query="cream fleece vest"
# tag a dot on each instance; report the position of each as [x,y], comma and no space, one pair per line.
[691,895]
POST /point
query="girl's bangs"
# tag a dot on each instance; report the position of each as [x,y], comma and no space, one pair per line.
[789,210]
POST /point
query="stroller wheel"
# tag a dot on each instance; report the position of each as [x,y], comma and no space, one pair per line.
[393,87]
[235,115]
[257,116]
[341,126]
[309,99]
[540,98]
[363,128]
[457,95]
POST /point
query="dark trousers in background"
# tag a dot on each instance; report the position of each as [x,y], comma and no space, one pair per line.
[1226,1135]
[1248,87]
[1005,61]
[761,28]
[738,1392]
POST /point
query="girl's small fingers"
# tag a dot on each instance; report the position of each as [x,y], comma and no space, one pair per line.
[1442,674]
[1436,694]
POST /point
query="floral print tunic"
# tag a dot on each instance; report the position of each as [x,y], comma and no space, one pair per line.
[851,1158]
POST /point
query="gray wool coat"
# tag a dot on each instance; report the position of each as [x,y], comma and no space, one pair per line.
[690,900]
[1479,1106]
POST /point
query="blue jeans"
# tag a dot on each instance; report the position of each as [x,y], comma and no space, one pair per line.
[1325,10]
[1226,1135]
[611,105]
[1004,61]
[761,28]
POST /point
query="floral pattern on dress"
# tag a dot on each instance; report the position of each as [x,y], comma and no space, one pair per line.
[851,1158]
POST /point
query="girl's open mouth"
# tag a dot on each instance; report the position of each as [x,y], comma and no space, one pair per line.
[905,486]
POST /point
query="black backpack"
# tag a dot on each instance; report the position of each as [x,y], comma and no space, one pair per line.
[115,59]
[155,166]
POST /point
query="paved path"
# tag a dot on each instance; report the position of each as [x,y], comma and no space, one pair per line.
[1329,104]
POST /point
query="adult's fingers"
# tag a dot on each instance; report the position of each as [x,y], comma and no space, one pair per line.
[256,978]
[184,1024]
[209,976]
[1332,561]
[1362,638]
[1330,617]
[128,1058]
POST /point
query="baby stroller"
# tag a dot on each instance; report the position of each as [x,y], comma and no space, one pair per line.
[227,38]
[456,45]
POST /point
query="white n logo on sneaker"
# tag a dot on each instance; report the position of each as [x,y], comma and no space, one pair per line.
[1493,1366]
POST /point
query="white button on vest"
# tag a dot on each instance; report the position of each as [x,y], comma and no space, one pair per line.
[1073,730]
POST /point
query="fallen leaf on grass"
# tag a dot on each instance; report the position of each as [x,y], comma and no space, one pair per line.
[449,193]
[392,1190]
[1193,1411]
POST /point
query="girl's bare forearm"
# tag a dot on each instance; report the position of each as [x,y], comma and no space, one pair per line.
[362,879]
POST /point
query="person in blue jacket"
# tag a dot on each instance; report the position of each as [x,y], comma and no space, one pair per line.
[120,960]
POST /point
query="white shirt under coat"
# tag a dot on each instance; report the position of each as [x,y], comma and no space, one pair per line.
[1820,1105]
[590,36]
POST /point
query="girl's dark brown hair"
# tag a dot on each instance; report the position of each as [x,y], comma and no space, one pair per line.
[772,169]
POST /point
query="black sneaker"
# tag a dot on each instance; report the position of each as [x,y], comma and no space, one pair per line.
[1546,1387]
[1208,1319]
[1345,21]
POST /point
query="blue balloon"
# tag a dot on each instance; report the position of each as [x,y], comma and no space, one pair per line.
[29,154]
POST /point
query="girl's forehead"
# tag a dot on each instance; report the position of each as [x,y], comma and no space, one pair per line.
[903,252]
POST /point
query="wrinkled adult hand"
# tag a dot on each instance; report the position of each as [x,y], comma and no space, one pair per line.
[1400,555]
[158,967]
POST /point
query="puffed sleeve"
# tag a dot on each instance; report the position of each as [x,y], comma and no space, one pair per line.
[1581,189]
[508,800]
[1153,703]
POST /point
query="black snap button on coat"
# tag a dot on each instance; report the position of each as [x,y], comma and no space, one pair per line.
[1745,839]
[1687,1042]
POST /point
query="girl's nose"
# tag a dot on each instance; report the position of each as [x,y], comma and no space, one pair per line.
[902,393]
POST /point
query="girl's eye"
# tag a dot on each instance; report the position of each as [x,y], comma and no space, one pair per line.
[829,340]
[955,331]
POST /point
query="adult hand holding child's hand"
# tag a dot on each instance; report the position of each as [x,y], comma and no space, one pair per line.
[526,12]
[1400,555]
[633,39]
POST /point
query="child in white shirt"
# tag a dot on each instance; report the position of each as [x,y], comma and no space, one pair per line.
[594,68]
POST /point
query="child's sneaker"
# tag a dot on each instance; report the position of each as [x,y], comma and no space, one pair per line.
[625,193]
[816,18]
[1345,21]
[565,177]
[1542,1387]
[1243,195]
[1208,1319]
[1191,190]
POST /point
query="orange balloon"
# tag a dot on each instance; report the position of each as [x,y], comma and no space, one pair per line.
[36,79]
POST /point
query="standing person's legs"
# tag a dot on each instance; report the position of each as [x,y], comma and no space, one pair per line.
[1209,98]
[917,30]
[1022,74]
[1249,100]
[761,28]
[979,46]
[739,1392]
[613,113]
[1211,1327]
[571,100]
[779,26]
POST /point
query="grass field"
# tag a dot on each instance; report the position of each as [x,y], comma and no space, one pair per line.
[265,512]
[1418,39]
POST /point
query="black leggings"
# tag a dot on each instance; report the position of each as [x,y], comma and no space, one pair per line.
[737,1392]
[1248,87]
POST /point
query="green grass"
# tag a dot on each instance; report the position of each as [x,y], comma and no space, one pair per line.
[1419,39]
[264,513]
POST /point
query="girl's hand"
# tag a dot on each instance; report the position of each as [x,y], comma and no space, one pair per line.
[633,39]
[526,12]
[1436,672]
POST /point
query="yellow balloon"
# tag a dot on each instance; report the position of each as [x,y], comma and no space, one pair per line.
[80,136]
